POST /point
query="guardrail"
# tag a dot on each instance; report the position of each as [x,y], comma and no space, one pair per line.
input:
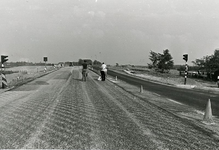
[190,74]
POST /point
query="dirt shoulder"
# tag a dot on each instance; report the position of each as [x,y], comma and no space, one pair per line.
[25,75]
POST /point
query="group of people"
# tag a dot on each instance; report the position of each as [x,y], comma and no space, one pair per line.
[103,70]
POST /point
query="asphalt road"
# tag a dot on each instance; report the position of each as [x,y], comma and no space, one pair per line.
[192,97]
[59,111]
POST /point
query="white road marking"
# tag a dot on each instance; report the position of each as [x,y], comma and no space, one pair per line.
[112,80]
[156,94]
[174,101]
[200,112]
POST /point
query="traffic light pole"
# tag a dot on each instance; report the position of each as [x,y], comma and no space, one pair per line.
[45,59]
[185,57]
[45,67]
[2,74]
[185,78]
[186,73]
[4,81]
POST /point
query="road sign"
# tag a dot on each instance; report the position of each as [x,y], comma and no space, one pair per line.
[45,59]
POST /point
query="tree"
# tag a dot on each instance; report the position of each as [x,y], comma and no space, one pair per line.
[75,64]
[88,61]
[80,62]
[199,62]
[96,62]
[154,57]
[213,63]
[208,63]
[161,62]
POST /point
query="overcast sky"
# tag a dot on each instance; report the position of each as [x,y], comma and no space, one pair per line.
[113,31]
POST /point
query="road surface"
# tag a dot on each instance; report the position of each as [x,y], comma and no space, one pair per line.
[192,97]
[59,111]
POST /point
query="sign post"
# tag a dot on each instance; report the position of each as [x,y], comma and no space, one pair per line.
[45,59]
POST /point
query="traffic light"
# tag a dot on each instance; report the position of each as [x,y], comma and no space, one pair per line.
[3,58]
[185,57]
[45,59]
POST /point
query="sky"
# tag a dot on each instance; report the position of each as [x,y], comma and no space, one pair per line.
[111,31]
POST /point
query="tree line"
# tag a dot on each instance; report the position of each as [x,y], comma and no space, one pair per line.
[209,63]
[163,62]
[88,61]
[23,63]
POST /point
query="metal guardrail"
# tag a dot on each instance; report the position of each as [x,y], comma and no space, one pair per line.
[197,75]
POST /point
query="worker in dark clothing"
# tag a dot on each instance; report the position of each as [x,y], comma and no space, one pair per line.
[84,70]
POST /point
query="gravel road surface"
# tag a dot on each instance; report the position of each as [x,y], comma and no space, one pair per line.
[59,111]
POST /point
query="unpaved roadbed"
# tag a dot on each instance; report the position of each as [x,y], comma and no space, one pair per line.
[62,112]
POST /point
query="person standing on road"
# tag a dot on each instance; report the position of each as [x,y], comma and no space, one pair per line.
[84,70]
[103,71]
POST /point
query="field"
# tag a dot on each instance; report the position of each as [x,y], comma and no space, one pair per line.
[24,73]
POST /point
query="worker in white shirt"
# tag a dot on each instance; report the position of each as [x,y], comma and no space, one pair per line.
[103,71]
